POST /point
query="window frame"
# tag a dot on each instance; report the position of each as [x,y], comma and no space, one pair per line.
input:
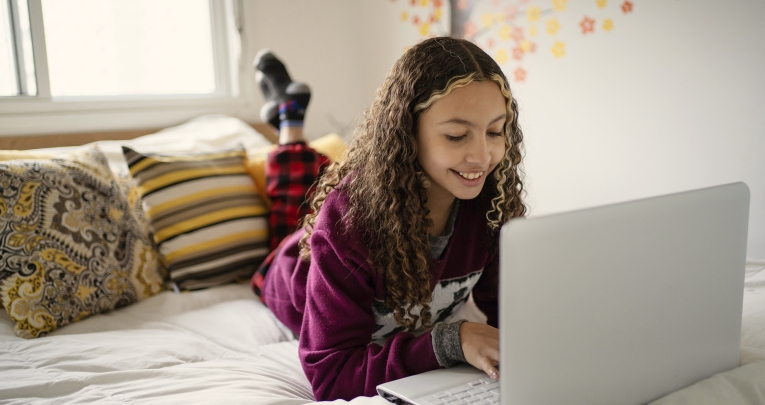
[43,114]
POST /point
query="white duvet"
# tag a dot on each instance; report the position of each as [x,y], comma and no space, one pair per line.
[222,345]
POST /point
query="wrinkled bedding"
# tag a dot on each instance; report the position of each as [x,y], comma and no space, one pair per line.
[221,345]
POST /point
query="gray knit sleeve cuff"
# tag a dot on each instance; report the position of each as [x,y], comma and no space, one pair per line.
[446,343]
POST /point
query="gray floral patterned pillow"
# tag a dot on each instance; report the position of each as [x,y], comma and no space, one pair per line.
[73,242]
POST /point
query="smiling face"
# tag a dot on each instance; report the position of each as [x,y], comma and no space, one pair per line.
[460,140]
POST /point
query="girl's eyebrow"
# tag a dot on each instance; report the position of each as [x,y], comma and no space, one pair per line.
[467,123]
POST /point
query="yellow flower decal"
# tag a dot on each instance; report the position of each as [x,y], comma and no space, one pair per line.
[559,49]
[601,3]
[501,56]
[487,20]
[505,32]
[533,31]
[608,25]
[404,16]
[559,5]
[424,29]
[533,13]
[553,26]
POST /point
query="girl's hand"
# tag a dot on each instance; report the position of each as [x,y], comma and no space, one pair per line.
[480,345]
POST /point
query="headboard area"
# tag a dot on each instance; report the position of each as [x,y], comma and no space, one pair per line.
[25,142]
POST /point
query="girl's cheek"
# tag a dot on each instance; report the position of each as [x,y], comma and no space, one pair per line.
[497,155]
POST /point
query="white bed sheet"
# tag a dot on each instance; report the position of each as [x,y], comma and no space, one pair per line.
[214,345]
[222,345]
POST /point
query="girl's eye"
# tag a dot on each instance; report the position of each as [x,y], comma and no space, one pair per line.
[455,138]
[495,134]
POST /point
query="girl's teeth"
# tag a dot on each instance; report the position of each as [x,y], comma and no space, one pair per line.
[471,176]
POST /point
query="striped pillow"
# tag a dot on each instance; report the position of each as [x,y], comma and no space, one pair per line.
[209,221]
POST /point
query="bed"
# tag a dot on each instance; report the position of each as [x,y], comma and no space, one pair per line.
[221,345]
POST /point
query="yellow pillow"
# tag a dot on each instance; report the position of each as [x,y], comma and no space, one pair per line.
[331,146]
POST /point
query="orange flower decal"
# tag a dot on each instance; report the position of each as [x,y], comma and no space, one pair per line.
[587,24]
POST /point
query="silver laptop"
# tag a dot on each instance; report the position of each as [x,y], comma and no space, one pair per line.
[620,304]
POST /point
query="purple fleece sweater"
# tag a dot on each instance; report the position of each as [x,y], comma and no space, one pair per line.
[349,340]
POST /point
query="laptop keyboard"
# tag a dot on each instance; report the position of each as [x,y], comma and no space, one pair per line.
[479,392]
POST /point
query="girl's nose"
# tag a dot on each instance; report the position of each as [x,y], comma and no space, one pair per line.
[479,152]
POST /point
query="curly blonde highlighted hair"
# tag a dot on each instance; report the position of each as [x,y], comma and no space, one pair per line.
[387,191]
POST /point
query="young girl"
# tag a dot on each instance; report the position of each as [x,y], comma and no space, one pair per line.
[404,229]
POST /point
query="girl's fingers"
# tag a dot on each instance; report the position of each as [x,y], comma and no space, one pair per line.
[490,361]
[491,371]
[480,344]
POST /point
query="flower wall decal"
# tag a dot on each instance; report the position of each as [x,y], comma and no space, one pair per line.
[512,30]
[587,24]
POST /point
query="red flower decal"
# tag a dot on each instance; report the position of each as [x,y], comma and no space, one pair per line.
[518,34]
[627,7]
[511,12]
[470,29]
[587,24]
[520,74]
[517,53]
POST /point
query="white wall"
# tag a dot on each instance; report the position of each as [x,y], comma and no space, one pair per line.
[342,48]
[322,45]
[673,98]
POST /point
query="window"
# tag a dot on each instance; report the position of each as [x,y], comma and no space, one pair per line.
[16,61]
[107,61]
[137,47]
